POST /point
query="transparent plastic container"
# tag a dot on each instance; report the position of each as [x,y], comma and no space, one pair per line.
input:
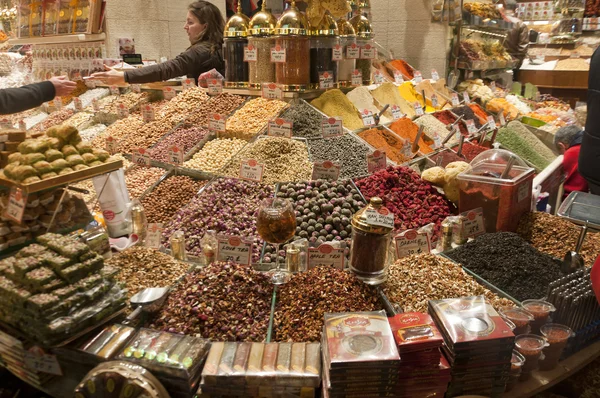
[236,70]
[530,346]
[321,58]
[503,200]
[519,317]
[541,313]
[516,367]
[557,337]
[294,73]
[262,70]
[347,65]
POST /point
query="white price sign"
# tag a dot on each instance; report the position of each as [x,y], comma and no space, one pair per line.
[378,77]
[326,255]
[77,104]
[473,224]
[251,170]
[368,51]
[491,122]
[376,161]
[325,79]
[353,51]
[215,86]
[153,236]
[22,125]
[217,123]
[41,362]
[466,98]
[278,54]
[17,201]
[122,111]
[435,75]
[357,78]
[111,145]
[332,127]
[418,77]
[5,124]
[434,100]
[148,113]
[250,53]
[114,90]
[272,91]
[326,171]
[280,128]
[398,78]
[367,118]
[235,249]
[141,157]
[58,103]
[411,242]
[338,53]
[188,83]
[380,218]
[493,86]
[175,154]
[169,93]
[396,112]
[471,128]
[136,88]
[455,100]
[418,109]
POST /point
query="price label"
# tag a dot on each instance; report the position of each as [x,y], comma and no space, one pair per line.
[471,128]
[58,103]
[280,128]
[114,90]
[455,100]
[326,171]
[251,170]
[153,235]
[272,91]
[418,109]
[175,154]
[412,242]
[378,77]
[122,111]
[250,53]
[338,53]
[111,145]
[90,84]
[42,363]
[332,127]
[406,150]
[368,52]
[5,124]
[396,112]
[326,255]
[169,93]
[472,223]
[418,77]
[217,122]
[22,125]
[136,88]
[17,201]
[77,104]
[234,248]
[215,86]
[325,79]
[434,100]
[141,157]
[357,78]
[353,51]
[435,75]
[398,78]
[148,113]
[376,161]
[278,54]
[491,122]
[367,118]
[95,105]
[466,98]
[187,84]
[502,119]
[380,218]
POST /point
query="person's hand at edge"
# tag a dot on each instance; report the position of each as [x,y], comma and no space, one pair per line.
[62,85]
[110,76]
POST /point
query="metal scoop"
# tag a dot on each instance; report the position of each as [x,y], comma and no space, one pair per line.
[148,300]
[573,260]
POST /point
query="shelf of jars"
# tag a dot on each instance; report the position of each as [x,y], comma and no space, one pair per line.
[74,38]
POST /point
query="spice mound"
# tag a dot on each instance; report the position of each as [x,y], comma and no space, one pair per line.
[413,281]
[306,120]
[349,152]
[222,302]
[406,129]
[507,261]
[304,300]
[335,103]
[386,141]
[518,139]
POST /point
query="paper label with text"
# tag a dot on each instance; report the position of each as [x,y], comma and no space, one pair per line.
[501,119]
[217,122]
[396,112]
[473,224]
[376,161]
[272,91]
[455,100]
[278,54]
[136,88]
[122,111]
[42,363]
[381,217]
[188,83]
[77,104]
[175,154]
[338,53]
[235,249]
[326,171]
[114,90]
[466,98]
[357,78]
[491,122]
[280,128]
[169,93]
[326,79]
[411,242]
[368,51]
[22,125]
[251,170]
[353,51]
[434,100]
[153,236]
[418,77]
[418,109]
[471,128]
[17,200]
[111,145]
[332,127]
[378,77]
[58,103]
[250,53]
[141,157]
[6,124]
[148,113]
[435,76]
[398,78]
[95,105]
[367,118]
[215,86]
[326,255]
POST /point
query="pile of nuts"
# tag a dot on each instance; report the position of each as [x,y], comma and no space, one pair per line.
[92,132]
[169,196]
[304,300]
[79,119]
[118,130]
[183,137]
[130,100]
[346,150]
[183,104]
[145,136]
[283,160]
[221,302]
[54,119]
[215,154]
[222,104]
[142,267]
[413,281]
[103,103]
[247,121]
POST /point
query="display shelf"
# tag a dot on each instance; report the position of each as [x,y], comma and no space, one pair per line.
[581,208]
[78,38]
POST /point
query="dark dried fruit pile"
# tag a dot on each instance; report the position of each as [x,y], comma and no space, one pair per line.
[510,263]
[222,302]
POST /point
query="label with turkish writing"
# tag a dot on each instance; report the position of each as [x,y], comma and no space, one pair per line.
[473,224]
[5,124]
[175,154]
[466,98]
[411,242]
[378,77]
[338,53]
[280,128]
[368,51]
[187,84]
[217,122]
[491,122]
[77,104]
[471,128]
[380,218]
[434,100]
[278,54]
[376,161]
[418,109]
[272,91]
[367,118]
[122,111]
[234,248]
[455,100]
[502,119]
[153,236]
[250,53]
[332,127]
[41,362]
[17,201]
[418,77]
[353,51]
[169,93]
[111,145]
[396,112]
[114,90]
[251,170]
[136,88]
[357,78]
[95,105]
[326,79]
[141,157]
[22,125]
[326,170]
[215,86]
[435,76]
[148,113]
[326,255]
[58,103]
[398,78]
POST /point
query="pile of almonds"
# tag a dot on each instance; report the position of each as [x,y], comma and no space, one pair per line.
[145,136]
[222,104]
[169,196]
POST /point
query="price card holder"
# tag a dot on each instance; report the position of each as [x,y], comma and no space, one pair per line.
[280,128]
[58,103]
[91,84]
[77,104]
[357,78]
[153,236]
[473,223]
[141,157]
[378,77]
[5,124]
[250,53]
[215,86]
[418,109]
[434,100]
[41,362]
[111,145]
[122,111]
[326,255]
[368,52]
[187,84]
[418,77]
[338,53]
[398,78]
[148,113]
[376,161]
[353,51]
[17,201]
[272,91]
[435,75]
[169,93]
[396,112]
[326,80]
[217,123]
[278,54]
[466,98]
[22,125]
[175,155]
[455,100]
[367,118]
[471,128]
[411,242]
[332,127]
[501,118]
[380,218]
[491,122]
[326,171]
[136,88]
[493,86]
[251,170]
[114,90]
[236,249]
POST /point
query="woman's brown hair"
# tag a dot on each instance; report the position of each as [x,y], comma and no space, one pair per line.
[209,14]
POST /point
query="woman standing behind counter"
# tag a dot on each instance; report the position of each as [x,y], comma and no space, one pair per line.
[204,26]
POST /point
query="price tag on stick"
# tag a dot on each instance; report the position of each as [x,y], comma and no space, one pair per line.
[153,236]
[396,112]
[435,75]
[17,201]
[114,90]
[472,223]
[280,128]
[251,170]
[175,154]
[378,77]
[236,249]
[418,77]
[278,54]
[326,255]
[169,93]
[272,91]
[455,100]
[111,145]
[466,98]
[215,86]
[188,83]
[122,111]
[326,80]
[491,122]
[332,127]
[380,218]
[325,171]
[398,78]
[471,128]
[357,78]
[141,157]
[376,161]
[411,242]
[148,113]
[367,118]
[353,51]
[77,104]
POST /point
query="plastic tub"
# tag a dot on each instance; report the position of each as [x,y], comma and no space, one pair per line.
[530,346]
[541,312]
[503,200]
[516,367]
[519,317]
[557,337]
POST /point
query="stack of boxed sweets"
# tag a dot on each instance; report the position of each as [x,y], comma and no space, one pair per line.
[261,370]
[423,367]
[12,352]
[477,343]
[52,289]
[360,357]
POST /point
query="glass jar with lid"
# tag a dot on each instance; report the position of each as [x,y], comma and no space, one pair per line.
[347,65]
[260,41]
[323,40]
[235,41]
[291,53]
[364,39]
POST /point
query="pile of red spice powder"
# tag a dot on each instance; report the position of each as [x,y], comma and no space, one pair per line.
[448,118]
[470,151]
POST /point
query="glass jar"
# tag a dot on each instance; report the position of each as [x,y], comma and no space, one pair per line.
[262,70]
[293,74]
[321,59]
[236,70]
[364,34]
[347,65]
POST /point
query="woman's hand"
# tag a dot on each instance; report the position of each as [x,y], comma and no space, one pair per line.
[110,77]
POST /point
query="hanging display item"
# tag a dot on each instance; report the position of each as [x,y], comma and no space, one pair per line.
[292,51]
[235,44]
[258,52]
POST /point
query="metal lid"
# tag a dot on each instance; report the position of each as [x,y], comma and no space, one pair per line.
[362,27]
[238,24]
[262,23]
[345,28]
[360,222]
[292,22]
[327,27]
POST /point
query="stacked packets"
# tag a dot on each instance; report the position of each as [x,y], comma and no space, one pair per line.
[423,369]
[360,357]
[477,343]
